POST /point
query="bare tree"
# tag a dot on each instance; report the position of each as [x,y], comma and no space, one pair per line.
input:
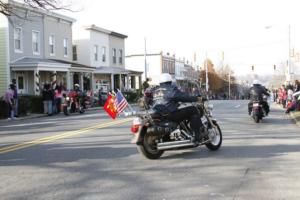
[7,10]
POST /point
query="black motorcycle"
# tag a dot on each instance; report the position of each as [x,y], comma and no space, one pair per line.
[257,112]
[154,134]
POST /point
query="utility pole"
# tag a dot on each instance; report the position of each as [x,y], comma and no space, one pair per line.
[206,74]
[145,57]
[289,67]
[229,80]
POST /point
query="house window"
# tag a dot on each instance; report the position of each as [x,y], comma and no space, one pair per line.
[51,45]
[103,54]
[66,47]
[96,52]
[18,40]
[75,53]
[36,42]
[114,56]
[120,56]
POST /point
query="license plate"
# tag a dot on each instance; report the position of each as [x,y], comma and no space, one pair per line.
[256,104]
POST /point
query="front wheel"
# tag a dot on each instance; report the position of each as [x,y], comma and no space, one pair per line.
[215,136]
[149,147]
[256,118]
[65,109]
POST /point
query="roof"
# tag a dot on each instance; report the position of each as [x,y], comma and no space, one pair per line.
[73,64]
[148,54]
[29,60]
[115,70]
[119,35]
[28,63]
[93,27]
[39,10]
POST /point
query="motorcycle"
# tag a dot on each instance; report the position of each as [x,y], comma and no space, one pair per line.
[153,133]
[257,111]
[72,103]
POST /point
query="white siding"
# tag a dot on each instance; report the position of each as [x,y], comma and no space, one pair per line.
[83,51]
[4,55]
[100,39]
[85,46]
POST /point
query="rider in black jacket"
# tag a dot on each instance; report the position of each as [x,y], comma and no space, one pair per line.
[256,94]
[166,98]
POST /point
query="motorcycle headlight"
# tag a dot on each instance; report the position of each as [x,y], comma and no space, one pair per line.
[68,98]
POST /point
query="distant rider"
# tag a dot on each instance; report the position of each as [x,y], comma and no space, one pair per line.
[256,94]
[165,102]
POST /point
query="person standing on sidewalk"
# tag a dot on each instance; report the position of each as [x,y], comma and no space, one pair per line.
[296,86]
[48,97]
[58,98]
[9,100]
[16,98]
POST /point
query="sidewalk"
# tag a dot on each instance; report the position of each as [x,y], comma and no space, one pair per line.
[39,115]
[295,115]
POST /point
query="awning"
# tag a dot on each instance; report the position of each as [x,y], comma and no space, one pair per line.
[76,67]
[30,64]
[115,70]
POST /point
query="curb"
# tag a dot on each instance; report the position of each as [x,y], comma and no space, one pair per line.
[32,116]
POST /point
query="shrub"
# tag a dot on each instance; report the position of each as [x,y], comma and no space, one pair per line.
[30,104]
[3,109]
[132,97]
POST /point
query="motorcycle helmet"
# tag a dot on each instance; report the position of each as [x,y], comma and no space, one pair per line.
[76,85]
[165,77]
[256,82]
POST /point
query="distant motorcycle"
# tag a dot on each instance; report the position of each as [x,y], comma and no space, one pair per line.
[72,103]
[153,133]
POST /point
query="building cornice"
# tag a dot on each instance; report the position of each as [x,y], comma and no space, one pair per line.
[41,11]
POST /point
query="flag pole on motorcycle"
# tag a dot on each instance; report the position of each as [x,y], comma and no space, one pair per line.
[116,104]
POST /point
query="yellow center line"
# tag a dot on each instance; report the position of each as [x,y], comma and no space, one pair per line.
[59,136]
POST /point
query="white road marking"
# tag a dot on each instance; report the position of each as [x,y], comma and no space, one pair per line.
[237,106]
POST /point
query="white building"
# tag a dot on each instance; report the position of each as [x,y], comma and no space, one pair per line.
[104,50]
[159,63]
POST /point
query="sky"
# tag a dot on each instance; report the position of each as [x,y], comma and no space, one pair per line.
[249,32]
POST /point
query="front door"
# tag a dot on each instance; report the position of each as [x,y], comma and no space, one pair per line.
[21,84]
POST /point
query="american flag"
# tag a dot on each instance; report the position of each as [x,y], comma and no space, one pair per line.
[120,102]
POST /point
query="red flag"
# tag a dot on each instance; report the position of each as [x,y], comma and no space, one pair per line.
[110,107]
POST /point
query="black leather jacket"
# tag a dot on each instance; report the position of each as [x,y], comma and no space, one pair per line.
[257,91]
[167,96]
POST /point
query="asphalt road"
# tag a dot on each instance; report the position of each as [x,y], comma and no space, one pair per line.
[90,157]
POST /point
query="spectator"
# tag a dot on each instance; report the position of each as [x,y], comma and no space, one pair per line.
[297,86]
[44,98]
[293,104]
[9,100]
[58,98]
[48,97]
[16,98]
[282,95]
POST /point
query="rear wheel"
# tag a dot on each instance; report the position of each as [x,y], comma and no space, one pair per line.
[256,118]
[65,109]
[215,135]
[149,147]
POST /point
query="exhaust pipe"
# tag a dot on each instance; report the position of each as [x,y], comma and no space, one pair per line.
[173,145]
